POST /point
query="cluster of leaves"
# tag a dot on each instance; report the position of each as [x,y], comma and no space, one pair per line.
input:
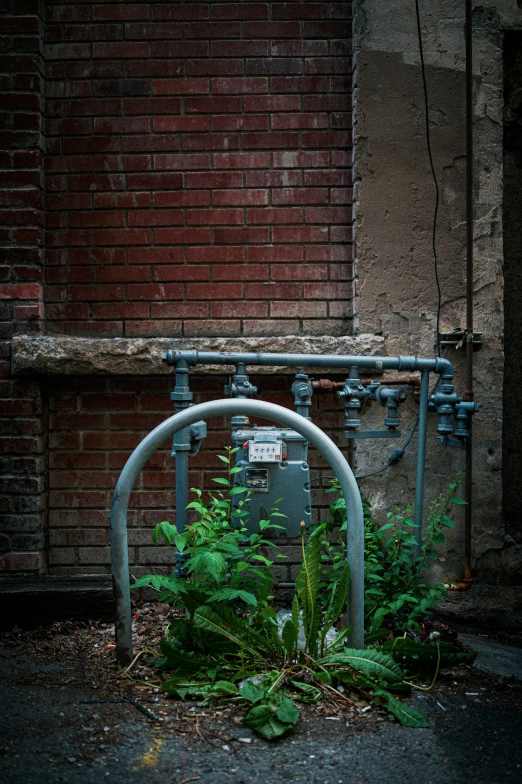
[228,646]
[395,582]
[220,563]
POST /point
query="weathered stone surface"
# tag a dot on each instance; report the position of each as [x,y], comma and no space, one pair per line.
[394,207]
[142,356]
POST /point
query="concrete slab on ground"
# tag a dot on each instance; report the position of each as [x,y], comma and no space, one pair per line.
[494,657]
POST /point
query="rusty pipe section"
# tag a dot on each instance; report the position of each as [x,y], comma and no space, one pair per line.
[326,385]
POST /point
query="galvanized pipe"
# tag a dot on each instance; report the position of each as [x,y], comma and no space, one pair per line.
[469,395]
[421,457]
[437,364]
[285,417]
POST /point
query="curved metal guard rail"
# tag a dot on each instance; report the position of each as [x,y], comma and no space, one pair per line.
[158,436]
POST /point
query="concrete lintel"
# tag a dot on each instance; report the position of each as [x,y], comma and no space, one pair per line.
[58,355]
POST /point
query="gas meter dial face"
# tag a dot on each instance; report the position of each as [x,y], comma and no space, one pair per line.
[259,452]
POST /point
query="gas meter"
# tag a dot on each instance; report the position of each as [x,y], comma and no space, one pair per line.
[274,466]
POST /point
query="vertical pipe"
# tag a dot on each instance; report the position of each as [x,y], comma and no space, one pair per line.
[421,459]
[182,398]
[468,395]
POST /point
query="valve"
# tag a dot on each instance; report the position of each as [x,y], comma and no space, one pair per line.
[392,398]
[447,404]
[444,402]
[353,393]
[239,386]
[302,389]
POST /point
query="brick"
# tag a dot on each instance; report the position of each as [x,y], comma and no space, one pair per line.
[237,85]
[210,141]
[229,310]
[300,196]
[211,327]
[156,218]
[298,309]
[281,121]
[150,106]
[240,123]
[239,48]
[180,11]
[180,49]
[182,236]
[328,177]
[270,66]
[244,197]
[181,273]
[273,179]
[301,159]
[273,291]
[120,49]
[328,215]
[212,104]
[181,199]
[114,125]
[20,291]
[122,237]
[299,10]
[182,161]
[214,217]
[214,67]
[213,254]
[300,48]
[155,255]
[180,86]
[326,103]
[210,30]
[154,180]
[328,65]
[289,253]
[173,124]
[241,235]
[270,327]
[272,30]
[299,272]
[240,272]
[178,310]
[121,11]
[327,139]
[255,141]
[299,84]
[238,11]
[242,160]
[327,291]
[213,179]
[329,253]
[151,291]
[121,274]
[270,215]
[300,234]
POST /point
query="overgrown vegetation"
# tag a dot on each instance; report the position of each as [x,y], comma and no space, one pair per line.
[231,645]
[396,589]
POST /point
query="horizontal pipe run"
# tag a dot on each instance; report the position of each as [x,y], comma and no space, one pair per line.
[437,365]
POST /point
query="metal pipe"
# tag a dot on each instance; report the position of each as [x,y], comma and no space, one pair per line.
[285,417]
[468,395]
[438,365]
[421,457]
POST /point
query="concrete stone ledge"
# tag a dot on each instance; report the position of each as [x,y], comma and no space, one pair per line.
[52,355]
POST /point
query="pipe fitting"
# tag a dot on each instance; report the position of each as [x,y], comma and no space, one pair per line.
[302,391]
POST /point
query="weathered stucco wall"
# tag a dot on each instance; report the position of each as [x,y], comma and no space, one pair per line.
[394,203]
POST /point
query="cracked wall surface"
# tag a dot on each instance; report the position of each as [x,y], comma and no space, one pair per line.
[393,218]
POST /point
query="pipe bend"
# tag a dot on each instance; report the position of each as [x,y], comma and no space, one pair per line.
[155,439]
[444,368]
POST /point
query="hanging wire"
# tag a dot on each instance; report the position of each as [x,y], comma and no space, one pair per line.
[428,144]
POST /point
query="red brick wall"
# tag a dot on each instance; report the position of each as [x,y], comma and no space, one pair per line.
[198,168]
[197,182]
[21,145]
[93,426]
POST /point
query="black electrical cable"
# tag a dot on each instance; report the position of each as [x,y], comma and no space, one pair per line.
[398,453]
[436,210]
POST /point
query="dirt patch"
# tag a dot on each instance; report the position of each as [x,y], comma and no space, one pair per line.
[53,730]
